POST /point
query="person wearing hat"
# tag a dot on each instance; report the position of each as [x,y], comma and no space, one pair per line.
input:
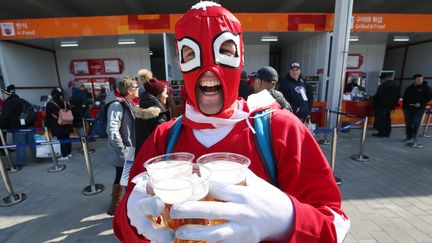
[266,78]
[384,101]
[62,132]
[12,118]
[151,112]
[80,105]
[297,92]
[244,88]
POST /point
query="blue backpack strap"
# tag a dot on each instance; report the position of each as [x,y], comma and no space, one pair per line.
[264,143]
[174,134]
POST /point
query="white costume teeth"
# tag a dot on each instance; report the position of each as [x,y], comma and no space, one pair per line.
[210,83]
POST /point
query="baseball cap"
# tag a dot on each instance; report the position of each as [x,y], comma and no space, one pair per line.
[294,65]
[9,89]
[267,74]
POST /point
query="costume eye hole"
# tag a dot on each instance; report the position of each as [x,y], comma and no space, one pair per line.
[189,54]
[226,49]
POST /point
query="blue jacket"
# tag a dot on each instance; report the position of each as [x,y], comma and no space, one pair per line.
[292,91]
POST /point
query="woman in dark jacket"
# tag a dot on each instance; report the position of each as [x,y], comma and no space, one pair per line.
[60,131]
[152,110]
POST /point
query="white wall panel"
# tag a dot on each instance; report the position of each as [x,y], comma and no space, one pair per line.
[373,56]
[28,67]
[134,58]
[256,57]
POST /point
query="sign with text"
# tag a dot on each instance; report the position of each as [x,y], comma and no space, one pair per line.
[90,67]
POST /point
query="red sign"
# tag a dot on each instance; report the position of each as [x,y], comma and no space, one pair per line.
[90,67]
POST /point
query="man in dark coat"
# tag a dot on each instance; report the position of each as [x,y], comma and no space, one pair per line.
[385,100]
[415,99]
[10,118]
[298,94]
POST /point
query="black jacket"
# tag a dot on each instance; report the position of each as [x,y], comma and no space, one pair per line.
[245,90]
[387,95]
[149,114]
[417,94]
[51,121]
[12,108]
[291,89]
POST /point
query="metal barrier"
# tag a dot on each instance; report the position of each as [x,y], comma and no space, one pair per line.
[92,188]
[415,143]
[333,155]
[13,198]
[56,167]
[427,125]
[360,156]
[324,141]
[12,167]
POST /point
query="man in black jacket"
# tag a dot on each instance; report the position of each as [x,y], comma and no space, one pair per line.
[244,88]
[415,99]
[298,94]
[12,118]
[385,100]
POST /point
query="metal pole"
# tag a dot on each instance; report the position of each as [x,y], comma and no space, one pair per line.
[324,141]
[415,144]
[13,198]
[360,157]
[12,167]
[92,188]
[333,155]
[56,167]
[90,151]
[427,125]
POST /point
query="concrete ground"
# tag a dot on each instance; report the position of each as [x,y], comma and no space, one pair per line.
[389,198]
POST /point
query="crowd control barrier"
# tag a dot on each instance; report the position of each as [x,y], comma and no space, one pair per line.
[360,156]
[93,188]
[13,198]
[427,124]
[56,167]
[415,143]
[325,141]
[12,167]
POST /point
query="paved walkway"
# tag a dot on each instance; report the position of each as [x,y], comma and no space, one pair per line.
[389,198]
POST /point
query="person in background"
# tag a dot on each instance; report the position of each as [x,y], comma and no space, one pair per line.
[152,111]
[121,131]
[415,99]
[306,204]
[244,89]
[266,78]
[80,105]
[60,131]
[144,75]
[10,118]
[385,100]
[298,94]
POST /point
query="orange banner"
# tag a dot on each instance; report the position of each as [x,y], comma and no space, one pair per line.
[252,22]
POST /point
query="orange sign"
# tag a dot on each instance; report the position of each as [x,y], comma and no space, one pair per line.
[392,23]
[252,22]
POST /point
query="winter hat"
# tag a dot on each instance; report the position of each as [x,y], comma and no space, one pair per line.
[56,93]
[294,65]
[154,87]
[9,90]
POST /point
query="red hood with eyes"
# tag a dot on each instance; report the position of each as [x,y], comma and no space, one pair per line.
[203,26]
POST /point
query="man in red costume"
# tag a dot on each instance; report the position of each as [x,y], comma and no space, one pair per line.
[306,205]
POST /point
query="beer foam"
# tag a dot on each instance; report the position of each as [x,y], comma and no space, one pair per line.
[169,168]
[181,189]
[226,171]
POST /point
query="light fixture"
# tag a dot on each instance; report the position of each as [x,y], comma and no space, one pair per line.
[151,53]
[126,42]
[354,38]
[401,38]
[269,38]
[69,43]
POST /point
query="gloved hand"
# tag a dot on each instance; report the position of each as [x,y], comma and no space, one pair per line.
[141,207]
[256,212]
